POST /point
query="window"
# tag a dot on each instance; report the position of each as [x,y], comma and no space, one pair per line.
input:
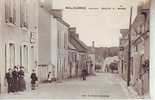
[131,63]
[23,14]
[20,55]
[12,54]
[32,37]
[59,39]
[141,63]
[136,48]
[32,57]
[65,40]
[10,11]
[25,57]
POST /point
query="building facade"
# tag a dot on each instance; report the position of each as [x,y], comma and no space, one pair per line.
[123,55]
[53,44]
[139,58]
[80,56]
[18,37]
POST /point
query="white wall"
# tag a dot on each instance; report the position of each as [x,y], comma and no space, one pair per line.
[44,36]
[59,54]
[54,47]
[19,37]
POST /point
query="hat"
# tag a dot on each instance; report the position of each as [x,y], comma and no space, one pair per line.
[21,67]
[15,67]
[9,69]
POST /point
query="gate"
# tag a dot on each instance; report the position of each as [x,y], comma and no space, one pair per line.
[42,72]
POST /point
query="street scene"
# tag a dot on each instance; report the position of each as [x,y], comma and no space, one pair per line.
[74,49]
[77,89]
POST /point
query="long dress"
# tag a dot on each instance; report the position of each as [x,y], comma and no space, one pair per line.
[15,84]
[33,80]
[9,81]
[22,85]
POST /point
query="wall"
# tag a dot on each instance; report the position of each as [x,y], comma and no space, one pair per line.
[44,37]
[62,67]
[19,37]
[54,43]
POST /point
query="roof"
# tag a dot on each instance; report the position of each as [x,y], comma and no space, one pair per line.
[78,44]
[70,46]
[124,32]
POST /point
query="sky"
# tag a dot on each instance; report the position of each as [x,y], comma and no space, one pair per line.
[99,25]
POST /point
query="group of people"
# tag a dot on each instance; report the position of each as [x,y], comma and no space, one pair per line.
[15,79]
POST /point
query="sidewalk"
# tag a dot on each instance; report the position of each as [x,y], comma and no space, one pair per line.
[133,93]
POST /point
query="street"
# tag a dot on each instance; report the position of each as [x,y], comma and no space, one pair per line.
[103,85]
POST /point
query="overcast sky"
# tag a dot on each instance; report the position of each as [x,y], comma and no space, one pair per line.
[101,26]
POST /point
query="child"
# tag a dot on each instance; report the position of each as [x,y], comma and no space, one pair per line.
[34,78]
[49,78]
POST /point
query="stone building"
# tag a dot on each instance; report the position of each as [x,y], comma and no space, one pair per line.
[18,37]
[53,43]
[140,48]
[139,58]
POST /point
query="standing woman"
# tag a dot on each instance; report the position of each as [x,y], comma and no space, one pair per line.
[15,79]
[22,85]
[34,78]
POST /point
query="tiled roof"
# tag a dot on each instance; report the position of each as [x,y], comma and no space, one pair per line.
[70,46]
[78,44]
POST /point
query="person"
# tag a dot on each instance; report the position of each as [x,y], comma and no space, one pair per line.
[15,79]
[22,85]
[84,72]
[53,74]
[9,78]
[34,78]
[49,77]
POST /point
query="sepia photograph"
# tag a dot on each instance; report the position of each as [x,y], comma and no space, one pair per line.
[75,49]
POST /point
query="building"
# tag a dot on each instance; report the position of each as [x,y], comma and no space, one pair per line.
[53,43]
[140,50]
[92,59]
[80,55]
[123,55]
[139,58]
[18,37]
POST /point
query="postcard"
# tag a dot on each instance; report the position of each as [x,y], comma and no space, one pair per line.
[75,49]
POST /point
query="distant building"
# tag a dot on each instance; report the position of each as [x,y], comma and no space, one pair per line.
[108,61]
[80,56]
[123,55]
[18,37]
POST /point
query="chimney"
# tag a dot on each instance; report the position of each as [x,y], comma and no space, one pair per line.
[57,13]
[93,44]
[77,35]
[72,29]
[46,4]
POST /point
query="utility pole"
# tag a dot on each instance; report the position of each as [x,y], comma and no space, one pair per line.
[129,48]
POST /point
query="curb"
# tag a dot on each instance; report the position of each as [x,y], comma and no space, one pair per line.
[132,93]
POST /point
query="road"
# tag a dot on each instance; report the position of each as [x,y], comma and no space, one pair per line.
[101,86]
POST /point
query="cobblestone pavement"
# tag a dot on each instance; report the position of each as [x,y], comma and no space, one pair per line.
[103,85]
